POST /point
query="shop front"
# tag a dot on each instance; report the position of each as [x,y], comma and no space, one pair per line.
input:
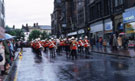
[129,24]
[108,29]
[97,29]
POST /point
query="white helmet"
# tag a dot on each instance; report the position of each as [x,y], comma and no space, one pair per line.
[80,37]
[76,39]
[86,37]
[51,38]
[73,38]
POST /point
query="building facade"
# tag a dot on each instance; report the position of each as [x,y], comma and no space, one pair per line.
[28,29]
[2,18]
[96,18]
[56,18]
[2,13]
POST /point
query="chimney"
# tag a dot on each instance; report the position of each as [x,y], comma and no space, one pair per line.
[37,24]
[26,25]
[22,26]
[34,25]
[13,26]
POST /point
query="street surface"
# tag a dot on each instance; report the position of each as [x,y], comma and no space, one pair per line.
[98,67]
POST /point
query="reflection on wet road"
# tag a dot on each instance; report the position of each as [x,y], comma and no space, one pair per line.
[96,68]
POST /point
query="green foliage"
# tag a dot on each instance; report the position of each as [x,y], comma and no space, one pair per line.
[37,34]
[12,32]
[18,33]
[34,35]
[44,35]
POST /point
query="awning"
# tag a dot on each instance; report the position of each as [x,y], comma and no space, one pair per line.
[73,33]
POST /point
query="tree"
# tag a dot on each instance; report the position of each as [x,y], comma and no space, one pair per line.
[18,33]
[34,35]
[44,35]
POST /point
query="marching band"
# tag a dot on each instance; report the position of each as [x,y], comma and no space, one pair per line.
[71,46]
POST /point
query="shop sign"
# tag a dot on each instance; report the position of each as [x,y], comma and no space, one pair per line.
[108,25]
[121,27]
[81,31]
[64,25]
[96,27]
[130,27]
[131,43]
[129,16]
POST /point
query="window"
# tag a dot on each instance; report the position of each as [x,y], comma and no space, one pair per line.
[121,2]
[118,2]
[91,1]
[2,1]
[107,7]
[2,16]
[99,9]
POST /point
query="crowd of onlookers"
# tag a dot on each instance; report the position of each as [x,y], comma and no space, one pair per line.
[7,54]
[113,42]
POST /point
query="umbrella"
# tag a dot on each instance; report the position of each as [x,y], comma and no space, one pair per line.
[122,33]
[8,36]
[1,39]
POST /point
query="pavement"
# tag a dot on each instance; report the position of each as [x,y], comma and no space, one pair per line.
[98,67]
[130,52]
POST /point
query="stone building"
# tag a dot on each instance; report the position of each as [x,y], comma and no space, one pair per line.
[28,29]
[94,18]
[2,18]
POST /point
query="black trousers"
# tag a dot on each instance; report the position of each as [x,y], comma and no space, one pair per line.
[80,49]
[74,54]
[87,52]
[67,49]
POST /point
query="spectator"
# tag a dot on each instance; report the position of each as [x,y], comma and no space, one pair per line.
[114,43]
[119,40]
[104,44]
[7,55]
[2,63]
[100,42]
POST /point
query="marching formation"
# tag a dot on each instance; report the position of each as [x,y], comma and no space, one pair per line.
[71,46]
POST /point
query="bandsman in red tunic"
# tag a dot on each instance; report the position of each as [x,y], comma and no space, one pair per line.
[38,47]
[52,47]
[61,45]
[46,44]
[86,45]
[67,47]
[80,45]
[74,48]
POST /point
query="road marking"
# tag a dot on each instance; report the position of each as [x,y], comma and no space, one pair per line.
[20,58]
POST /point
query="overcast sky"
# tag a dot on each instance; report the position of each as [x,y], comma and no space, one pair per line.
[20,12]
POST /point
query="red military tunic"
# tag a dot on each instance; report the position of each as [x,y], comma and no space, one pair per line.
[86,43]
[74,45]
[81,43]
[52,44]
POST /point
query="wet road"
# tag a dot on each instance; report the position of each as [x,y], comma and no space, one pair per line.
[98,67]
